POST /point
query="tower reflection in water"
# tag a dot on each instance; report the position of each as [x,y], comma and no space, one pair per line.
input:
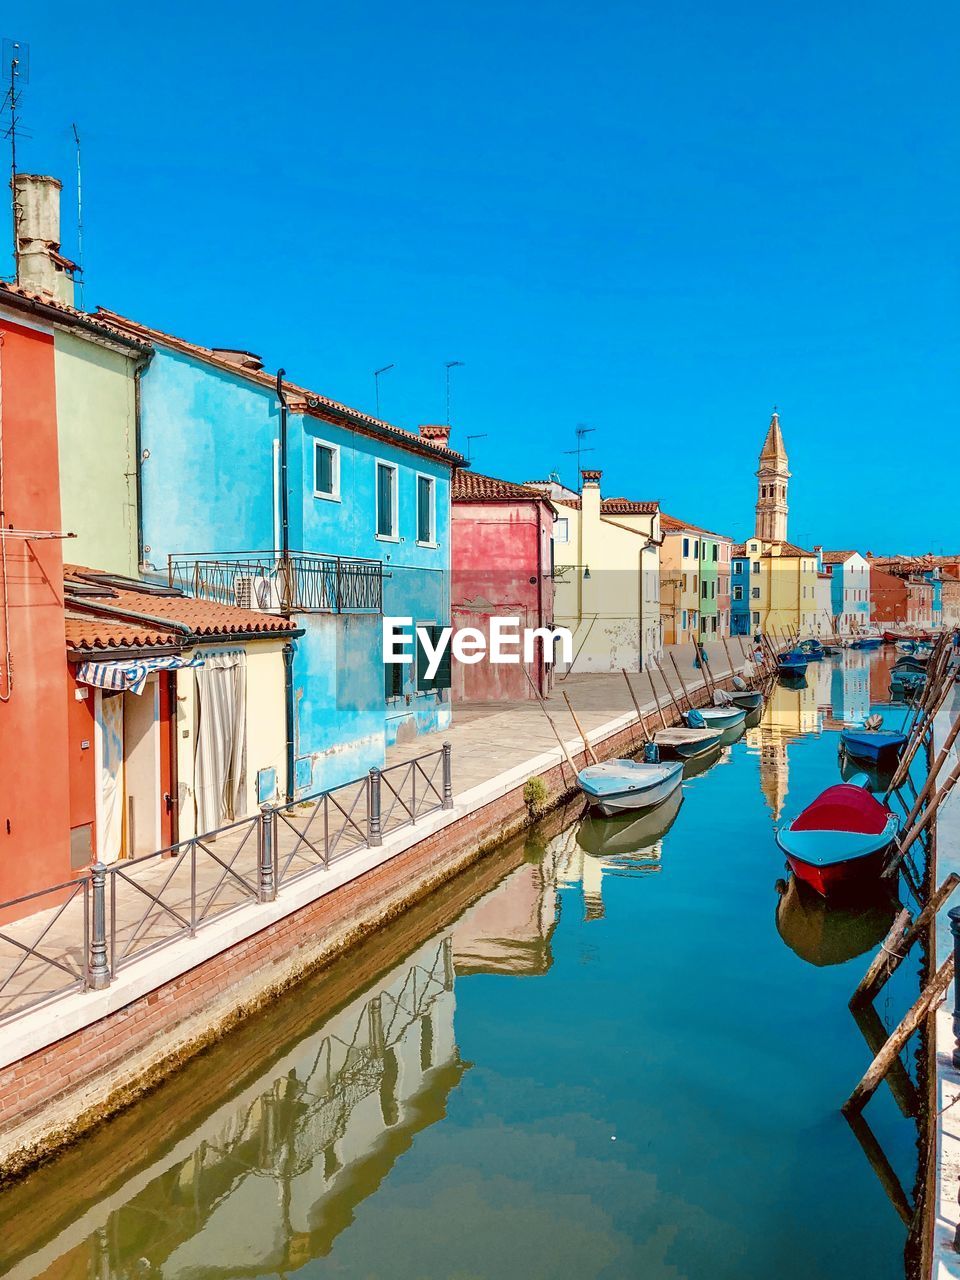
[267,1181]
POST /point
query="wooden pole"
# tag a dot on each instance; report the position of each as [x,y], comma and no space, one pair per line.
[656,699]
[898,1078]
[553,724]
[920,727]
[726,650]
[682,685]
[708,680]
[923,821]
[873,1076]
[591,754]
[932,776]
[881,1167]
[643,727]
[898,942]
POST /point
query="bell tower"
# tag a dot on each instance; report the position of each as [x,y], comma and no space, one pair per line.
[772,480]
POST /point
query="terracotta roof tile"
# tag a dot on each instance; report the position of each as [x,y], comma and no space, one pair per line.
[792,551]
[14,293]
[670,524]
[837,557]
[100,634]
[204,618]
[310,401]
[615,506]
[471,486]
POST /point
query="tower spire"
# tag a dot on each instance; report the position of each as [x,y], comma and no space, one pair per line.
[772,477]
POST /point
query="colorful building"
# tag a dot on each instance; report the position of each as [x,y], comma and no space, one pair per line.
[903,590]
[502,546]
[849,574]
[739,591]
[606,575]
[695,582]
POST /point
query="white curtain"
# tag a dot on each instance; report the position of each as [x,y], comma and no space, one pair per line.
[110,716]
[220,764]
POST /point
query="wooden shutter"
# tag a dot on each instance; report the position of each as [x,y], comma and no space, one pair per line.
[424,512]
[323,459]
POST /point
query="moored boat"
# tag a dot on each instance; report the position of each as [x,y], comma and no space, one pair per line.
[812,650]
[873,746]
[617,786]
[716,717]
[630,834]
[687,743]
[840,840]
[748,699]
[792,663]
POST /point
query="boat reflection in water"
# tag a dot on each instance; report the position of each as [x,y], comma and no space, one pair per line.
[631,834]
[878,780]
[824,933]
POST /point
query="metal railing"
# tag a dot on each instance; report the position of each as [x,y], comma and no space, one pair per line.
[268,581]
[115,914]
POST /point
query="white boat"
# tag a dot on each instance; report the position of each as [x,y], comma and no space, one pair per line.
[717,717]
[617,786]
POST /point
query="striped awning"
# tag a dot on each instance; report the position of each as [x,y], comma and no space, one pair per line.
[130,676]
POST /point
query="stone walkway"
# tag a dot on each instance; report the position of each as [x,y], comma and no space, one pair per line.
[157,900]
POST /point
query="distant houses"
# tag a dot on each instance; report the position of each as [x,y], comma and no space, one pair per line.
[695,581]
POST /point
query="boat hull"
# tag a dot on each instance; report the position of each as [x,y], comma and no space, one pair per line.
[838,879]
[606,796]
[747,699]
[874,748]
[840,840]
[723,717]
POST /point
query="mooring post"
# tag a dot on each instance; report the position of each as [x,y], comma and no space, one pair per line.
[99,966]
[374,832]
[954,914]
[266,844]
[447,776]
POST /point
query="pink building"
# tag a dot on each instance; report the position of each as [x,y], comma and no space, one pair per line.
[501,566]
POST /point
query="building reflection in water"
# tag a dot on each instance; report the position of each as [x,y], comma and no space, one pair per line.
[267,1182]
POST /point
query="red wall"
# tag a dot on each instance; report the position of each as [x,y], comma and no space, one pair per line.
[34,789]
[500,561]
[888,596]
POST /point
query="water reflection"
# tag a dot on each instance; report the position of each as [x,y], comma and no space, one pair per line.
[825,933]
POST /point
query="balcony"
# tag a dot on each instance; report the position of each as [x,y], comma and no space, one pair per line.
[301,582]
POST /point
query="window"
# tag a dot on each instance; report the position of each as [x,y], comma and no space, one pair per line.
[714,551]
[703,590]
[756,566]
[696,548]
[561,529]
[756,619]
[686,548]
[738,593]
[684,620]
[393,674]
[755,593]
[426,510]
[386,500]
[442,678]
[738,566]
[326,470]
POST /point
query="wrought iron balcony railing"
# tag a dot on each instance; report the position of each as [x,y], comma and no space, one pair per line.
[269,582]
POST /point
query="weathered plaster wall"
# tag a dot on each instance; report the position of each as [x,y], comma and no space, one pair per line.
[96,413]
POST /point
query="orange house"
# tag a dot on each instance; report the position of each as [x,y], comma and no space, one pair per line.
[34,786]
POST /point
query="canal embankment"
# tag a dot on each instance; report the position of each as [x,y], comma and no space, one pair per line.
[68,1064]
[943,1183]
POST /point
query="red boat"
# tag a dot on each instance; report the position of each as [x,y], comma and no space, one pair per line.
[840,840]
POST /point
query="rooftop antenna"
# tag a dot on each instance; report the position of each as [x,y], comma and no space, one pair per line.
[582,431]
[76,138]
[470,439]
[451,364]
[376,381]
[16,69]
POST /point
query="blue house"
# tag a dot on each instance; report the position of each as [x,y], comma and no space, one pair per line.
[259,493]
[739,592]
[849,574]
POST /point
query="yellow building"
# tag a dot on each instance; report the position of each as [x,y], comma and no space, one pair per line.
[606,557]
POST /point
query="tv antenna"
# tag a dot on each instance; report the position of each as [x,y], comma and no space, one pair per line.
[376,382]
[470,439]
[76,138]
[16,72]
[582,432]
[448,365]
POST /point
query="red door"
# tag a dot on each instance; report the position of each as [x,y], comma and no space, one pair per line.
[168,759]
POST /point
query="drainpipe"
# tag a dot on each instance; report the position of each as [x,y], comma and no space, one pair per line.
[288,700]
[286,602]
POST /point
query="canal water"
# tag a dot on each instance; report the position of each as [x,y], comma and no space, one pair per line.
[609,1050]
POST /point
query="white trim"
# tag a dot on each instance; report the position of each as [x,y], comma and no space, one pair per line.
[334,495]
[432,542]
[98,770]
[395,535]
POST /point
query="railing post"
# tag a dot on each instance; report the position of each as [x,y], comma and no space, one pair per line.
[954,914]
[266,841]
[374,832]
[99,968]
[447,776]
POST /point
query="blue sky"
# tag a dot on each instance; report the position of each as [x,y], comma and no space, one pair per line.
[658,220]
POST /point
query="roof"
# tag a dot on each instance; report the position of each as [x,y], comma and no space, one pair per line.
[791,550]
[471,486]
[615,506]
[59,312]
[837,557]
[108,611]
[670,524]
[98,634]
[310,401]
[774,450]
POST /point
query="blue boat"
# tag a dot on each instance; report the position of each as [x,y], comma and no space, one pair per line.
[792,663]
[866,642]
[873,746]
[748,699]
[618,786]
[812,650]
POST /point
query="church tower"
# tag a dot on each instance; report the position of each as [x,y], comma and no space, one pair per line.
[772,480]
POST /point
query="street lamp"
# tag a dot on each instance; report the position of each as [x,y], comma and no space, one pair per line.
[451,364]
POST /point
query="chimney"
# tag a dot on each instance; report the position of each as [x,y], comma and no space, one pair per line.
[243,359]
[41,268]
[438,435]
[590,537]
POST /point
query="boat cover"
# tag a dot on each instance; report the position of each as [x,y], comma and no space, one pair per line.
[843,807]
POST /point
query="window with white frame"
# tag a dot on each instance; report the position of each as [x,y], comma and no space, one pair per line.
[561,529]
[426,510]
[386,500]
[738,593]
[326,470]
